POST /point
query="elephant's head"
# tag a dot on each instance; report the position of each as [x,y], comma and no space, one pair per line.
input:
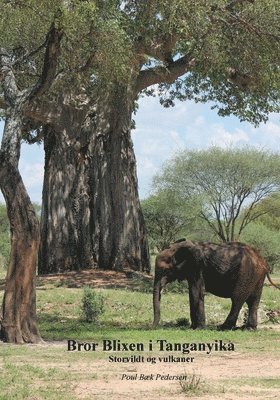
[174,263]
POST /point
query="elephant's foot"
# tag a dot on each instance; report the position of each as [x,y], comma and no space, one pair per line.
[225,327]
[249,327]
[197,326]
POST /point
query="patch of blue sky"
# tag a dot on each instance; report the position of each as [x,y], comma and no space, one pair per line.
[161,132]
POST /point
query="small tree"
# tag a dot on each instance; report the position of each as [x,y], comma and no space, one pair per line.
[270,209]
[266,240]
[165,219]
[228,183]
[92,305]
[5,246]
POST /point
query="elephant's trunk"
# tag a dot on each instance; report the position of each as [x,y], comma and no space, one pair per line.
[159,284]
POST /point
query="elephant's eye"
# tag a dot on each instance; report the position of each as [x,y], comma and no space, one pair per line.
[167,261]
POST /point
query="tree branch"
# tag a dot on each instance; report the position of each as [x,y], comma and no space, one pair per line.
[212,226]
[230,6]
[50,63]
[43,113]
[169,74]
[7,79]
[27,56]
[160,48]
[3,103]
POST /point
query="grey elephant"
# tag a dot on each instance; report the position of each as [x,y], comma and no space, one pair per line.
[231,270]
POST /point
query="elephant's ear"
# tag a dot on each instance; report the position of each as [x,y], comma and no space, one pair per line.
[188,252]
[181,255]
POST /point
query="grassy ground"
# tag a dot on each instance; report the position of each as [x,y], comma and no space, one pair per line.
[50,372]
[128,311]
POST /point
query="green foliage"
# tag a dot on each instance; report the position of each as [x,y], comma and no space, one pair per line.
[228,71]
[234,47]
[95,46]
[266,240]
[227,184]
[5,245]
[23,25]
[269,210]
[177,287]
[92,305]
[264,234]
[167,219]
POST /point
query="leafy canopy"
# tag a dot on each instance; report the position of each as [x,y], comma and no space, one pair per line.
[266,240]
[167,219]
[229,184]
[264,233]
[226,52]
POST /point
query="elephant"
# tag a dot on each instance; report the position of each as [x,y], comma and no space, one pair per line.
[230,270]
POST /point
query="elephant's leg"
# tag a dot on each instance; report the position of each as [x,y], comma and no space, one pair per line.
[231,319]
[253,303]
[196,296]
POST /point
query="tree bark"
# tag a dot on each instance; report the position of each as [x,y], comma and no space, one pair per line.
[18,324]
[100,161]
[65,220]
[18,321]
[118,232]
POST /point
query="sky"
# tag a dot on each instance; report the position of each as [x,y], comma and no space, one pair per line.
[160,133]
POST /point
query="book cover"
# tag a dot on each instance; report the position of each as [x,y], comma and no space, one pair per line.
[136,237]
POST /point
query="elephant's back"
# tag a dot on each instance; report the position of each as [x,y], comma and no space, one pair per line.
[232,264]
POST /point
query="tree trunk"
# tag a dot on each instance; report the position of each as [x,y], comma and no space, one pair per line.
[156,300]
[118,234]
[18,323]
[113,233]
[65,231]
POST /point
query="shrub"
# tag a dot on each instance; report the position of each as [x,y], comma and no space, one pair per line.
[177,287]
[266,241]
[193,385]
[5,245]
[92,305]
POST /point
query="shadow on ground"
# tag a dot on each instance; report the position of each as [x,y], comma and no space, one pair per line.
[96,278]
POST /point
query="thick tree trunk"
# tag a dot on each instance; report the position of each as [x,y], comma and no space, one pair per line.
[65,231]
[110,214]
[118,233]
[18,324]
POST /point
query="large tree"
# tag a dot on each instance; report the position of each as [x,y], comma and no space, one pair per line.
[229,184]
[226,52]
[18,321]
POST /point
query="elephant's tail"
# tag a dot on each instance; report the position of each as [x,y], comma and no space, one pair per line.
[271,282]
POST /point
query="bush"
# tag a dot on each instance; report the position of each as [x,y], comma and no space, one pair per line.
[92,305]
[177,287]
[5,245]
[266,240]
[5,249]
[3,263]
[193,385]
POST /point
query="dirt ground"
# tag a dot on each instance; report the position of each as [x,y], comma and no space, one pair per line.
[227,377]
[96,278]
[233,376]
